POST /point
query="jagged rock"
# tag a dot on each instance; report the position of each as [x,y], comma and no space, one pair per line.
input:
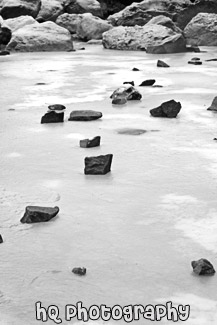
[1,239]
[162,64]
[168,109]
[129,82]
[130,93]
[203,267]
[56,107]
[4,52]
[148,82]
[79,270]
[90,143]
[202,30]
[151,38]
[69,21]
[47,36]
[16,8]
[35,214]
[213,106]
[83,6]
[119,100]
[52,117]
[15,23]
[99,165]
[91,27]
[84,115]
[50,10]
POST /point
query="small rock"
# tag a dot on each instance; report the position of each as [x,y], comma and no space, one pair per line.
[90,143]
[52,117]
[162,64]
[148,82]
[1,239]
[4,52]
[195,62]
[168,109]
[130,93]
[81,49]
[194,49]
[35,214]
[211,60]
[135,69]
[40,84]
[215,139]
[203,267]
[195,59]
[79,270]
[157,86]
[56,107]
[84,115]
[119,100]
[213,106]
[129,82]
[99,165]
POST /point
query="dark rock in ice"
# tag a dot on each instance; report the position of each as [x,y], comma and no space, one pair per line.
[148,82]
[56,107]
[168,109]
[90,143]
[162,64]
[40,84]
[135,69]
[1,239]
[211,60]
[213,106]
[35,214]
[203,267]
[84,115]
[129,82]
[52,117]
[4,52]
[79,270]
[99,165]
[119,100]
[130,93]
[130,131]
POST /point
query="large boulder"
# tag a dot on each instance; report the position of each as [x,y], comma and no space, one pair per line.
[41,37]
[109,7]
[152,38]
[69,21]
[202,30]
[15,23]
[83,6]
[91,27]
[16,8]
[50,10]
[164,21]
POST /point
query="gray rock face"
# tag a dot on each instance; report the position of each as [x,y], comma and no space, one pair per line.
[213,106]
[168,109]
[202,30]
[155,39]
[99,165]
[47,36]
[90,143]
[126,93]
[50,10]
[69,21]
[35,214]
[15,23]
[52,117]
[203,267]
[83,6]
[85,115]
[16,8]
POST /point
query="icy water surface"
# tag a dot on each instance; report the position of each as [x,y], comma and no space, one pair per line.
[137,229]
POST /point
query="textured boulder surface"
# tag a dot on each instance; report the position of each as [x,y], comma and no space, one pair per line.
[47,36]
[152,38]
[35,214]
[50,10]
[203,267]
[16,8]
[164,21]
[90,143]
[213,106]
[69,21]
[83,6]
[52,117]
[19,22]
[202,30]
[99,165]
[85,115]
[168,109]
[127,93]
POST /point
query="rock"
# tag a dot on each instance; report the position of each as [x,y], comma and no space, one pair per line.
[129,82]
[90,143]
[154,39]
[202,30]
[195,62]
[119,101]
[79,270]
[16,8]
[203,267]
[47,36]
[211,60]
[215,139]
[85,115]
[162,64]
[168,109]
[4,53]
[69,21]
[164,21]
[99,165]
[15,23]
[193,49]
[129,93]
[52,117]
[213,106]
[56,107]
[95,42]
[35,214]
[83,6]
[1,239]
[5,36]
[91,27]
[148,82]
[50,10]
[130,131]
[135,69]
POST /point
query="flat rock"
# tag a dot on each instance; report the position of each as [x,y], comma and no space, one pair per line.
[99,165]
[203,267]
[168,109]
[162,64]
[213,106]
[16,23]
[52,117]
[131,131]
[148,82]
[35,214]
[56,107]
[210,60]
[195,62]
[129,93]
[79,270]
[129,82]
[84,115]
[90,143]
[4,53]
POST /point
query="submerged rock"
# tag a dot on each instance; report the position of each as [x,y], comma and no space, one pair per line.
[90,143]
[213,106]
[35,214]
[148,82]
[168,109]
[52,117]
[128,93]
[84,115]
[129,82]
[79,270]
[99,165]
[203,267]
[162,64]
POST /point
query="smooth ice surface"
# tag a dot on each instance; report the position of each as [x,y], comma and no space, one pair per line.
[136,229]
